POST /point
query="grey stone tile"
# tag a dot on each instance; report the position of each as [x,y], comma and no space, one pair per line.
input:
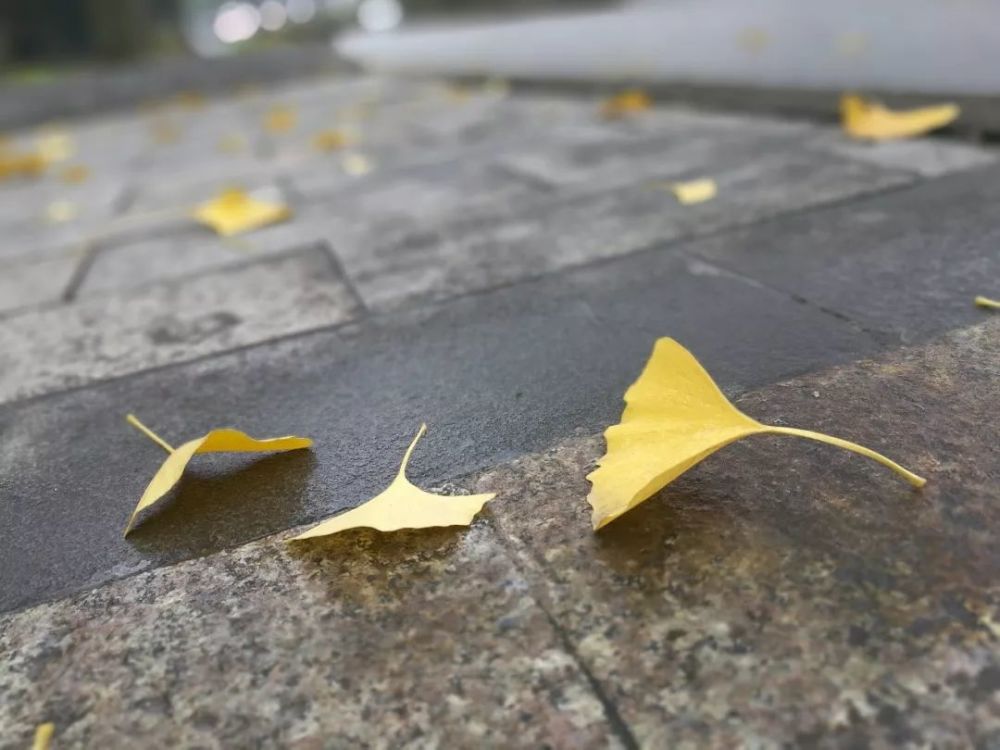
[396,264]
[924,156]
[112,335]
[192,181]
[494,376]
[35,282]
[906,264]
[139,258]
[419,639]
[783,593]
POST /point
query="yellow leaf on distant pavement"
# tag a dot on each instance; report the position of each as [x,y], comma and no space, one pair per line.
[691,192]
[987,302]
[404,506]
[234,212]
[74,174]
[224,440]
[675,417]
[279,119]
[356,165]
[870,120]
[55,145]
[628,102]
[331,140]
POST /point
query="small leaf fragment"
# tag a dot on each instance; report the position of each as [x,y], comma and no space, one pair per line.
[869,120]
[988,303]
[59,212]
[225,440]
[55,145]
[74,174]
[279,119]
[675,417]
[356,165]
[629,102]
[43,736]
[402,505]
[331,140]
[234,212]
[21,163]
[692,192]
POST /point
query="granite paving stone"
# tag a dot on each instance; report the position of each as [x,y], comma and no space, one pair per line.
[35,282]
[909,263]
[784,593]
[494,376]
[927,157]
[111,335]
[417,640]
[395,265]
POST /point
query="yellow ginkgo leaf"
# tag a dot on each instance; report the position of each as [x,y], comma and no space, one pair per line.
[356,165]
[192,101]
[43,736]
[676,416]
[690,192]
[628,102]
[234,212]
[232,143]
[404,506]
[225,440]
[279,119]
[59,212]
[164,132]
[55,145]
[870,120]
[992,304]
[74,174]
[331,140]
[21,164]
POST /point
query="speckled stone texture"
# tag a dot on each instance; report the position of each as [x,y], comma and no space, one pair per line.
[415,640]
[782,594]
[787,594]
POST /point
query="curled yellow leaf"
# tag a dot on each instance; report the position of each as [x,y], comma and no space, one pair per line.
[402,505]
[675,417]
[233,212]
[870,120]
[224,440]
[627,102]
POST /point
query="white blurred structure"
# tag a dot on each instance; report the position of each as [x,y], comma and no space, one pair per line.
[902,45]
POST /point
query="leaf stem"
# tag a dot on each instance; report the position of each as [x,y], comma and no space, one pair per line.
[134,421]
[914,479]
[409,451]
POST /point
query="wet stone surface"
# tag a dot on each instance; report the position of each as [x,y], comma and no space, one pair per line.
[784,593]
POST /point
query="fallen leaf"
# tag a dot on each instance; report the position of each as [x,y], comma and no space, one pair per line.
[987,302]
[192,101]
[279,119]
[233,212]
[43,736]
[164,132]
[331,140]
[55,145]
[21,164]
[404,506]
[356,165]
[74,174]
[627,102]
[869,120]
[225,440]
[676,416]
[59,212]
[233,143]
[690,192]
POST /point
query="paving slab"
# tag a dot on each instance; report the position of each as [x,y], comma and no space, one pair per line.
[494,375]
[419,640]
[36,282]
[394,265]
[114,334]
[908,264]
[784,593]
[928,157]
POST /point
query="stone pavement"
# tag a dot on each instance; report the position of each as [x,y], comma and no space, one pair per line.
[501,273]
